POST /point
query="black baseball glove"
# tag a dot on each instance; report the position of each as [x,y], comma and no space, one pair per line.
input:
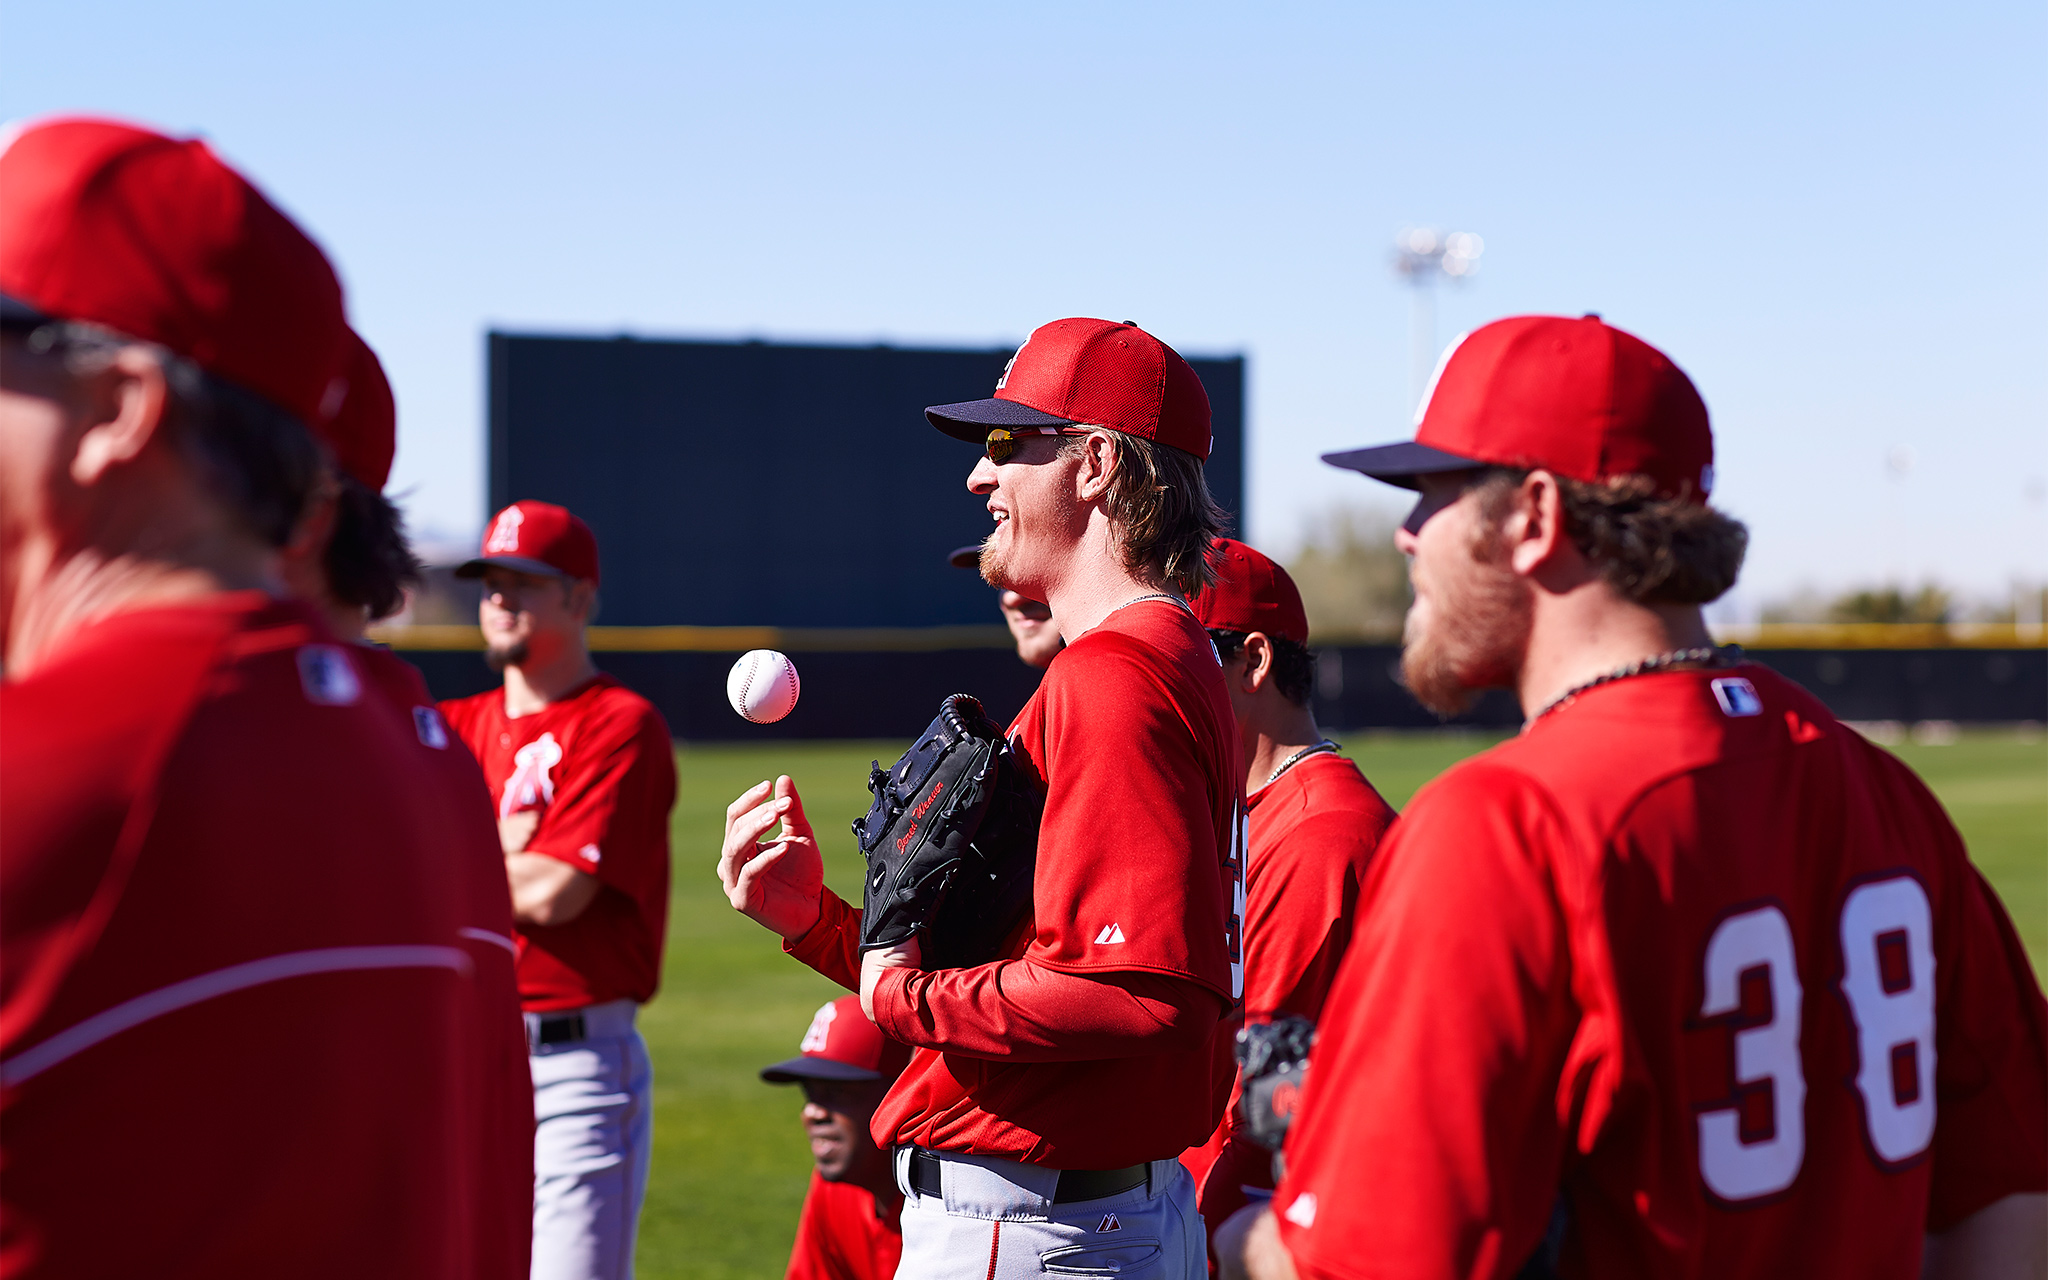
[1272,1060]
[951,842]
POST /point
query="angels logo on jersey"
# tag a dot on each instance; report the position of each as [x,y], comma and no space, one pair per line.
[505,533]
[529,787]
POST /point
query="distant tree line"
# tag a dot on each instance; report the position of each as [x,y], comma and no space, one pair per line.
[1353,582]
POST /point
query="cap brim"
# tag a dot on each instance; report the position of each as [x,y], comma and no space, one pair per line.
[475,568]
[970,420]
[14,311]
[797,1070]
[965,557]
[1399,464]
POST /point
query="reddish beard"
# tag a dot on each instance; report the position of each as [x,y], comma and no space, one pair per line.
[1478,633]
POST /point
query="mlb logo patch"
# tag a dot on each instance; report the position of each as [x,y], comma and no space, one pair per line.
[1737,697]
[433,732]
[327,677]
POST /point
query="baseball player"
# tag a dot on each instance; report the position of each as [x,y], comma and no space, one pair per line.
[252,1020]
[349,555]
[1314,824]
[1030,621]
[1037,1126]
[852,1227]
[582,776]
[1688,979]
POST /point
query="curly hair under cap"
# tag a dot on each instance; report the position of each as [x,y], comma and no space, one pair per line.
[368,560]
[1159,502]
[1652,550]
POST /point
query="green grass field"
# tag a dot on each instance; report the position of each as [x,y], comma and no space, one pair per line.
[730,1162]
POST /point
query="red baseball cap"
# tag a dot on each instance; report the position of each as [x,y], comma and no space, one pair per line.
[1090,373]
[159,240]
[1252,593]
[536,537]
[364,433]
[1578,397]
[842,1045]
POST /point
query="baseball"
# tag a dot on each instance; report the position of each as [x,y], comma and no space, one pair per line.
[763,686]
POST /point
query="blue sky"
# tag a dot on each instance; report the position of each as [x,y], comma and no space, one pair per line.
[1831,215]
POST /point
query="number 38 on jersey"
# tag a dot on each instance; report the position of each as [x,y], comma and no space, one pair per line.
[1753,1144]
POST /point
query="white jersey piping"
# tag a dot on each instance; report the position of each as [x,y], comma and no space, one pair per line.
[108,1023]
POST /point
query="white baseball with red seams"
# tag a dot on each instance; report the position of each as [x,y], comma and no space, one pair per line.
[763,686]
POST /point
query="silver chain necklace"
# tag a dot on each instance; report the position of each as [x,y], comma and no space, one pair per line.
[1156,595]
[1299,756]
[1726,655]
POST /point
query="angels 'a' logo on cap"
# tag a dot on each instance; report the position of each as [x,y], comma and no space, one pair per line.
[530,786]
[505,532]
[1437,375]
[1004,381]
[327,677]
[820,1031]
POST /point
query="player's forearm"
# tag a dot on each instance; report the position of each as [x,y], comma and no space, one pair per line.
[1265,1257]
[832,945]
[1022,1012]
[2001,1240]
[547,891]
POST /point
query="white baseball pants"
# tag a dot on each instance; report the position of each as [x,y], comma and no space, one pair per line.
[997,1219]
[593,1107]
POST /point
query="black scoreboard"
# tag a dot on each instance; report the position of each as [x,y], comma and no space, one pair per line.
[769,484]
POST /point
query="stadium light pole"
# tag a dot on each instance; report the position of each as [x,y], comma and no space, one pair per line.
[1422,256]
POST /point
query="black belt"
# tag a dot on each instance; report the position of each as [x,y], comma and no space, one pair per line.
[1074,1184]
[559,1028]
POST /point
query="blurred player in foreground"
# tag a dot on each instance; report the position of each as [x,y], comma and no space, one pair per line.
[1688,979]
[1038,1123]
[583,775]
[349,558]
[1314,824]
[252,1020]
[1038,640]
[852,1223]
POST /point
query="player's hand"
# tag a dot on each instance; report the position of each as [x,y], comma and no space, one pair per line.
[906,954]
[515,829]
[777,882]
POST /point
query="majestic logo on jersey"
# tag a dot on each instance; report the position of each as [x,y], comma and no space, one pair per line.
[1109,1223]
[327,677]
[591,853]
[1802,731]
[1302,1213]
[820,1030]
[529,787]
[433,731]
[1737,696]
[1110,933]
[505,533]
